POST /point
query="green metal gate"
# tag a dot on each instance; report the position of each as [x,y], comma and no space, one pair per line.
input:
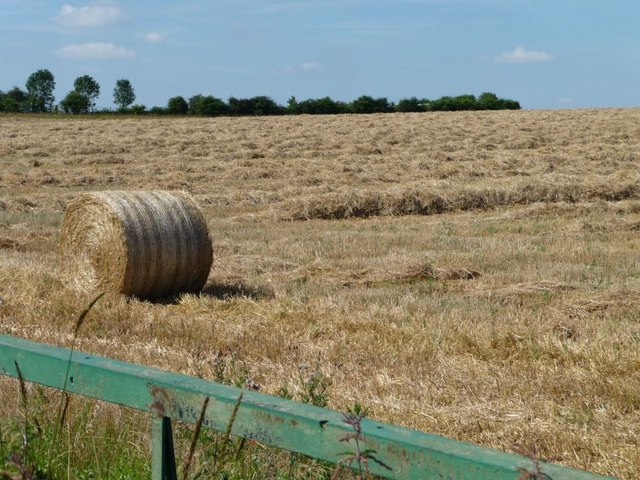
[400,452]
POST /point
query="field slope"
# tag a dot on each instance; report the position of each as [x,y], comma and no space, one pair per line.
[472,274]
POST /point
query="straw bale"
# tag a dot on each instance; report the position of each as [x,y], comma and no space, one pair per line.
[147,244]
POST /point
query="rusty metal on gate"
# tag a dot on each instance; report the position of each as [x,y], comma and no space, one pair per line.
[286,424]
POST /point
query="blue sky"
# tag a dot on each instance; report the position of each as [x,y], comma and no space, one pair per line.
[543,53]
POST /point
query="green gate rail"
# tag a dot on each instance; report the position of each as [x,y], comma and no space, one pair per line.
[274,421]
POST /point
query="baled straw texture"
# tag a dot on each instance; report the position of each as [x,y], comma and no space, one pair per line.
[147,244]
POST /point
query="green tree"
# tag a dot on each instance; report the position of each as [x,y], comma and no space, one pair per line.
[15,100]
[263,105]
[207,105]
[451,104]
[40,86]
[292,106]
[138,109]
[88,87]
[367,104]
[240,106]
[508,104]
[260,105]
[177,106]
[123,94]
[319,106]
[411,105]
[75,102]
[3,99]
[465,102]
[488,101]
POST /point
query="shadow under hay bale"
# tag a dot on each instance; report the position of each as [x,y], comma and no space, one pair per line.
[227,291]
[147,244]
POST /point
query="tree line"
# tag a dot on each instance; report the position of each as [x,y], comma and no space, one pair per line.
[38,98]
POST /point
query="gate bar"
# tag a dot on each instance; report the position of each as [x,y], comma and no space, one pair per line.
[274,421]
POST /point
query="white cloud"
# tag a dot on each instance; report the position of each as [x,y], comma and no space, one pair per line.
[153,37]
[520,55]
[90,16]
[95,50]
[306,66]
[303,67]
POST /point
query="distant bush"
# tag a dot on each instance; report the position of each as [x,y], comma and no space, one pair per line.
[266,106]
[261,105]
[137,109]
[486,101]
[367,104]
[14,101]
[177,106]
[317,106]
[157,111]
[207,105]
[411,105]
[75,102]
[490,101]
[40,84]
[452,104]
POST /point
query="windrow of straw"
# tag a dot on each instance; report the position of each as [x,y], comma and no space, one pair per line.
[427,200]
[402,272]
[148,244]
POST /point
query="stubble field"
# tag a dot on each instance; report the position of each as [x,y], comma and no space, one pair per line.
[475,275]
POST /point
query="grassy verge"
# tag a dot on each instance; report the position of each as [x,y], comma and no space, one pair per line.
[103,441]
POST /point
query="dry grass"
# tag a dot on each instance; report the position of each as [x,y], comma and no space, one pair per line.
[493,294]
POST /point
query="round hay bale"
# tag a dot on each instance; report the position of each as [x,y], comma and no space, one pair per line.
[147,244]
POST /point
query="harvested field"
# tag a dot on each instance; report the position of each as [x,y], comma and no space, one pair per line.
[472,274]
